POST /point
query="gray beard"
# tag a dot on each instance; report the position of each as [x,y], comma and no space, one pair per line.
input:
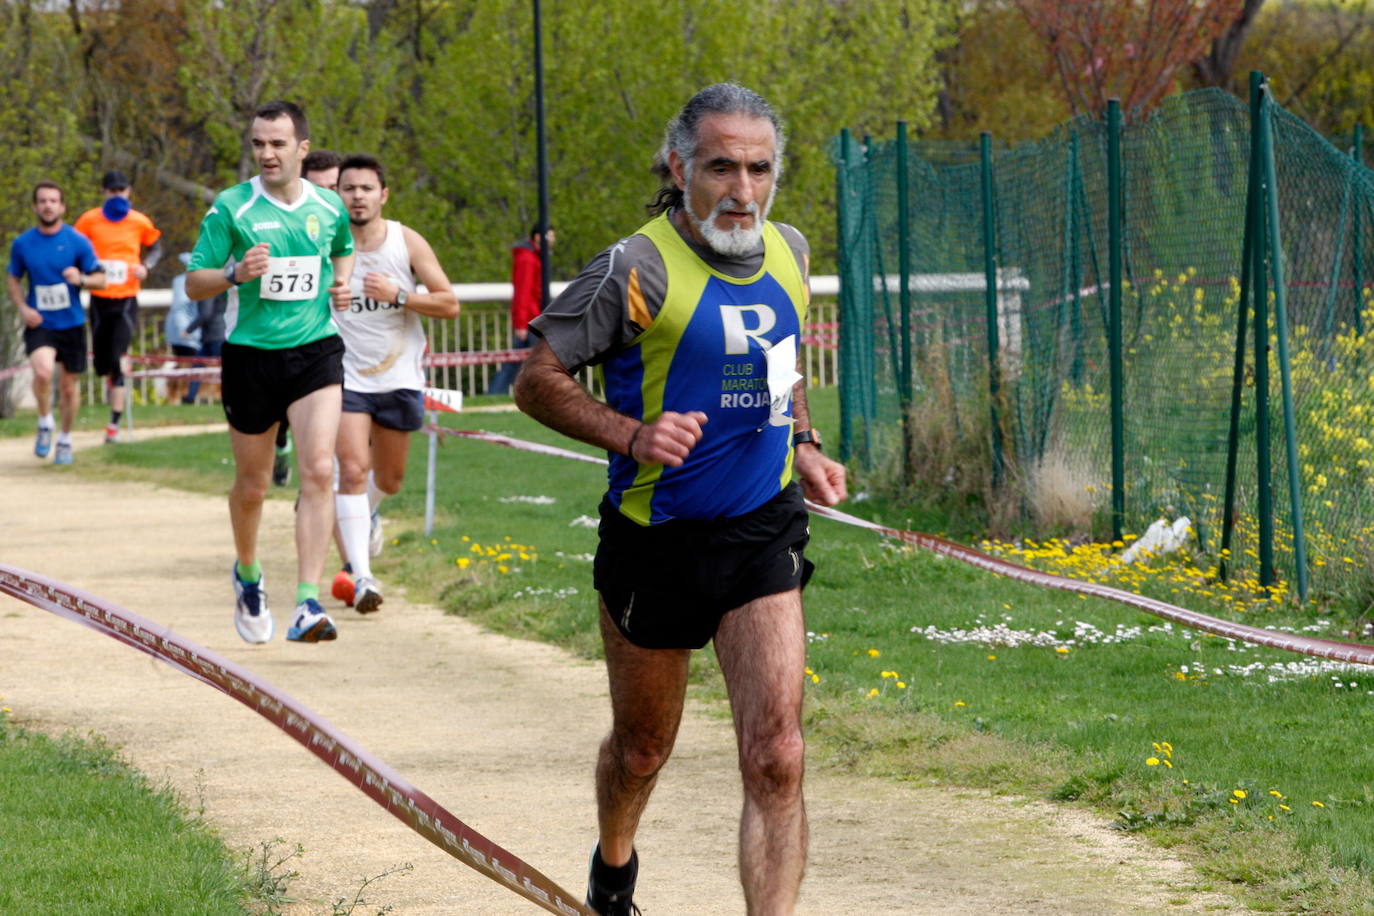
[730,243]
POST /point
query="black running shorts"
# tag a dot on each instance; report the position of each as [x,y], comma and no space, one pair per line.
[667,586]
[258,385]
[402,410]
[112,330]
[70,344]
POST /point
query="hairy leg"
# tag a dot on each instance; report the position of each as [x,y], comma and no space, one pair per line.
[252,476]
[315,420]
[647,690]
[762,652]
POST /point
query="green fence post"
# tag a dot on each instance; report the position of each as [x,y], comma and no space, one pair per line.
[1114,244]
[990,298]
[1357,258]
[1247,266]
[847,291]
[904,386]
[1259,248]
[1275,244]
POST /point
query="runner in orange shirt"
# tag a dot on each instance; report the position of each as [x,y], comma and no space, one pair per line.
[120,235]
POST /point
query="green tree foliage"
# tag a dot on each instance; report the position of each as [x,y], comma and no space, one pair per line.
[997,77]
[1316,55]
[42,136]
[443,91]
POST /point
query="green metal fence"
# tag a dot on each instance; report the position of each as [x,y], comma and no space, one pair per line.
[1082,310]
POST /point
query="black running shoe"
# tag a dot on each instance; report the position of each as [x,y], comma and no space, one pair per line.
[281,469]
[607,903]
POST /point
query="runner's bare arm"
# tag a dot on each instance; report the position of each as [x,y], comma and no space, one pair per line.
[32,317]
[439,302]
[822,479]
[208,282]
[547,392]
[340,294]
[93,280]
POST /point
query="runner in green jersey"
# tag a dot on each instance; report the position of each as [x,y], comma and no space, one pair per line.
[281,246]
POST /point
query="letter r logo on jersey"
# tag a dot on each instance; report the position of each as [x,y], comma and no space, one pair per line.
[737,326]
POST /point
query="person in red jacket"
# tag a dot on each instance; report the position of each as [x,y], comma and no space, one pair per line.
[526,302]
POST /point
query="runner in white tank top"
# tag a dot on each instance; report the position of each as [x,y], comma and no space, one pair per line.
[384,341]
[384,344]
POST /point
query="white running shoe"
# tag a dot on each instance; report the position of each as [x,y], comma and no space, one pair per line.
[367,594]
[375,541]
[251,617]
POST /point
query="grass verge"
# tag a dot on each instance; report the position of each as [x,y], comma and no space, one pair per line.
[85,834]
[923,669]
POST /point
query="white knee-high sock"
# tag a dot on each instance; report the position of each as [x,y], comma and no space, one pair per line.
[374,495]
[354,525]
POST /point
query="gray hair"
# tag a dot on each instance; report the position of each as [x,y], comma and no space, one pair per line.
[682,135]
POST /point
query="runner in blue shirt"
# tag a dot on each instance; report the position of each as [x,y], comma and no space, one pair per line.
[59,262]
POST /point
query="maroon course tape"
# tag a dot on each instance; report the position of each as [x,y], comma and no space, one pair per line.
[374,778]
[1291,642]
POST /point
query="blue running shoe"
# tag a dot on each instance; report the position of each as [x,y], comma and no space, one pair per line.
[43,444]
[63,453]
[311,624]
[251,617]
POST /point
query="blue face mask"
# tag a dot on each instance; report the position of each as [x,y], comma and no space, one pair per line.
[115,208]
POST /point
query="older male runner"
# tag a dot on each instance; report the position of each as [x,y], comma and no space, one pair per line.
[695,320]
[383,401]
[281,246]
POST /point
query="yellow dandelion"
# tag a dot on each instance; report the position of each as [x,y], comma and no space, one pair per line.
[503,568]
[1238,793]
[1276,793]
[1233,801]
[815,678]
[1063,650]
[1317,804]
[1285,808]
[1152,761]
[874,653]
[1167,763]
[901,685]
[462,562]
[962,703]
[873,693]
[992,658]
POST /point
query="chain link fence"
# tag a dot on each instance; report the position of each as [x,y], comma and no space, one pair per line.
[1010,253]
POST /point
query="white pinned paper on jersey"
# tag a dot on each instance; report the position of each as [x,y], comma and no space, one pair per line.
[782,377]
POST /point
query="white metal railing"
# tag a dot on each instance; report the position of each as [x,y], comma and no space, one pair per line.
[486,329]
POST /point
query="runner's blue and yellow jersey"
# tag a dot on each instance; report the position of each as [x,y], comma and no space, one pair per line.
[706,350]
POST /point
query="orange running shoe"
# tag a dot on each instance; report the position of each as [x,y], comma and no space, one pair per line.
[343,587]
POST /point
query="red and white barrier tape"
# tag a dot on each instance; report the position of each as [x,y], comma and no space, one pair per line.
[520,444]
[350,760]
[1354,653]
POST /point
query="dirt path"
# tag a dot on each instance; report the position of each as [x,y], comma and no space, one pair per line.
[501,732]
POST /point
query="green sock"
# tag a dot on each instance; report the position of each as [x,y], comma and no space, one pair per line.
[252,573]
[307,590]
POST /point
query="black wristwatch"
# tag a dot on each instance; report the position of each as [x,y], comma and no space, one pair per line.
[230,273]
[807,436]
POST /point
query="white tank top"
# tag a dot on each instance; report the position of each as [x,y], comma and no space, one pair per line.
[383,342]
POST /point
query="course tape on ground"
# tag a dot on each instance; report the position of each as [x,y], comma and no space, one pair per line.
[375,779]
[1291,642]
[1354,653]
